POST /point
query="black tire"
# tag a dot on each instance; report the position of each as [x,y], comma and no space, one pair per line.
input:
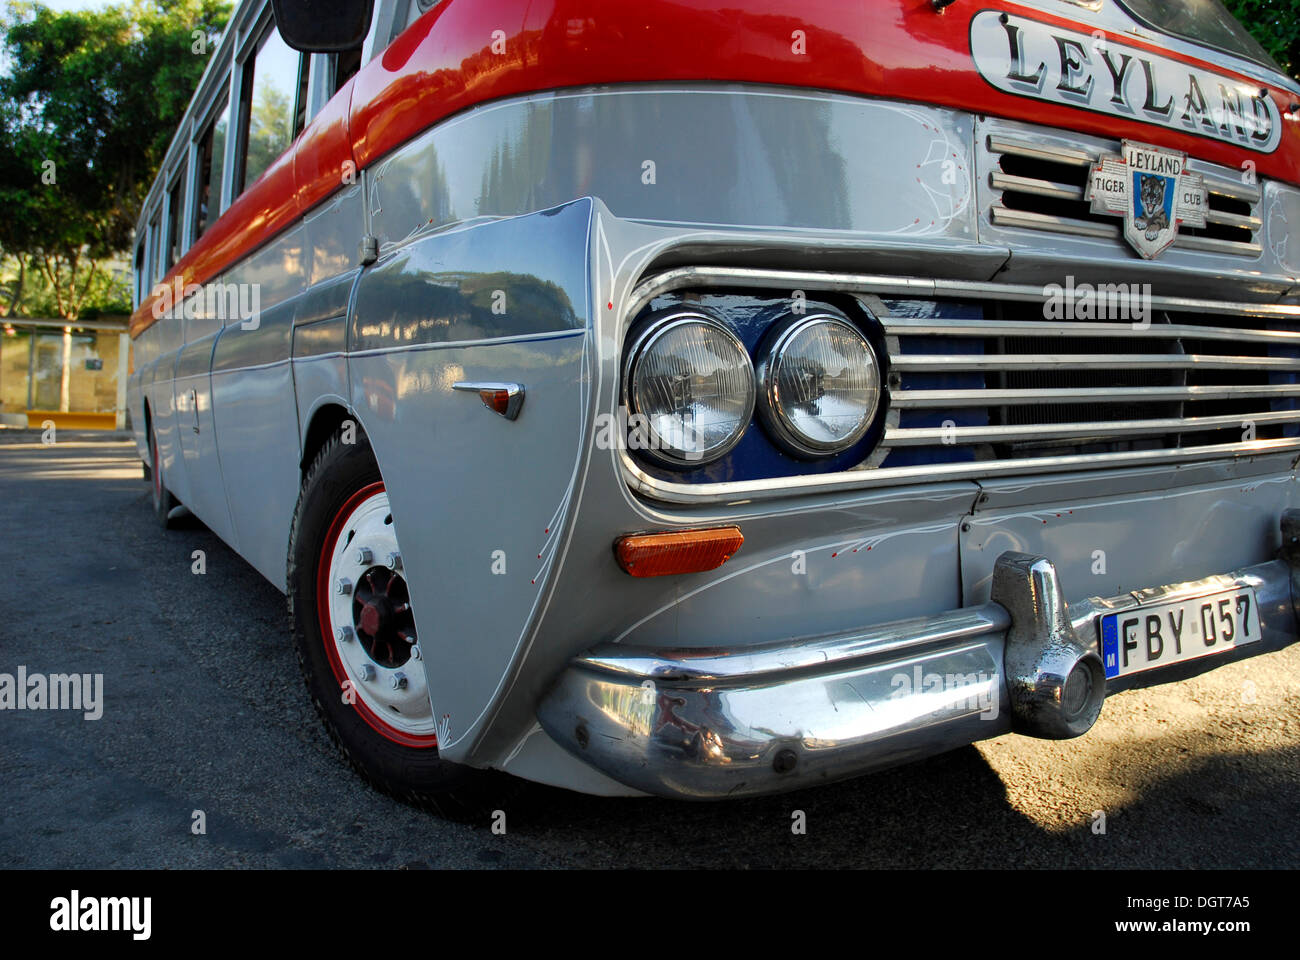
[163,501]
[415,775]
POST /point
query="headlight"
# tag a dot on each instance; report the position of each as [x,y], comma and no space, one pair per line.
[820,386]
[690,387]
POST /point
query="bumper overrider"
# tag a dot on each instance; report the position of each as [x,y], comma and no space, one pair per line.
[738,721]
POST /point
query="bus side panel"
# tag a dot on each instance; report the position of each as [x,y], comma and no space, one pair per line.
[207,492]
[481,503]
[320,375]
[256,417]
[162,405]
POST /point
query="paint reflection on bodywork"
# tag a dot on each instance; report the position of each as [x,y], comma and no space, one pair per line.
[444,288]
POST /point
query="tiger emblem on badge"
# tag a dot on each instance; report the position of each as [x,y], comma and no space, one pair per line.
[1151,216]
[1153,191]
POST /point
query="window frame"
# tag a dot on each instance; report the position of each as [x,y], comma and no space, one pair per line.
[245,71]
[208,121]
[173,217]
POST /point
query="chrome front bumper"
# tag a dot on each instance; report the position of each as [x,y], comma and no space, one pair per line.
[713,723]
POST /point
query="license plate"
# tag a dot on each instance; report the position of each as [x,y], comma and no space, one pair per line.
[1158,634]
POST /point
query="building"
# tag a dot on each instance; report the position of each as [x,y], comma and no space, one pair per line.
[73,374]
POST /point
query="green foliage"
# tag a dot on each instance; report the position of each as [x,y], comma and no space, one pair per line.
[1276,25]
[88,104]
[269,130]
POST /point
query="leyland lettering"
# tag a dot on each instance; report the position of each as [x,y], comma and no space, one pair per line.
[1029,58]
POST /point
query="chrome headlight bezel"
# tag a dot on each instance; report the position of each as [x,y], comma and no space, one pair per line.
[652,331]
[774,417]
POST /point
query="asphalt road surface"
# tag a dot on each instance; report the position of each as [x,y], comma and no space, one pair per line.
[203,709]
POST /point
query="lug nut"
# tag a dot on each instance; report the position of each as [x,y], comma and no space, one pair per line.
[394,561]
[399,680]
[344,586]
[415,652]
[343,634]
[365,557]
[367,671]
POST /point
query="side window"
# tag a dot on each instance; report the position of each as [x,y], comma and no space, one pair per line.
[141,278]
[175,244]
[212,157]
[155,242]
[266,109]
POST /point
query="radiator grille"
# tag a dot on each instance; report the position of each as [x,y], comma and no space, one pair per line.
[1050,388]
[1040,186]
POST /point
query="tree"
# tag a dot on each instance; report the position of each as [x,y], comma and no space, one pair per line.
[1276,25]
[87,108]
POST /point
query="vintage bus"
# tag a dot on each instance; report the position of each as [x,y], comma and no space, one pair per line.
[658,398]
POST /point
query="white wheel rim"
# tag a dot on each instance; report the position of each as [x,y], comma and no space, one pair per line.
[407,708]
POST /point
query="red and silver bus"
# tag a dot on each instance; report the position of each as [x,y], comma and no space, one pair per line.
[672,399]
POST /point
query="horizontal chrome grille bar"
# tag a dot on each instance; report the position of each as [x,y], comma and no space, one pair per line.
[1233,219]
[917,287]
[1028,220]
[1039,188]
[1232,189]
[911,326]
[932,399]
[963,362]
[738,490]
[1000,143]
[1094,430]
[1234,248]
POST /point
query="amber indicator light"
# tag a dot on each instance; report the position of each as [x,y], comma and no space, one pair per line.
[683,551]
[498,400]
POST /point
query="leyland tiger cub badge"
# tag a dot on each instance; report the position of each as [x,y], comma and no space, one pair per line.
[1153,191]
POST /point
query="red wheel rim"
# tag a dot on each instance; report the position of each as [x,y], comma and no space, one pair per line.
[372,719]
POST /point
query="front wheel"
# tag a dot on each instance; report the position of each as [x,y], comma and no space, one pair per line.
[355,634]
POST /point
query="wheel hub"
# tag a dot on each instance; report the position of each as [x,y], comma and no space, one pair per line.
[381,616]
